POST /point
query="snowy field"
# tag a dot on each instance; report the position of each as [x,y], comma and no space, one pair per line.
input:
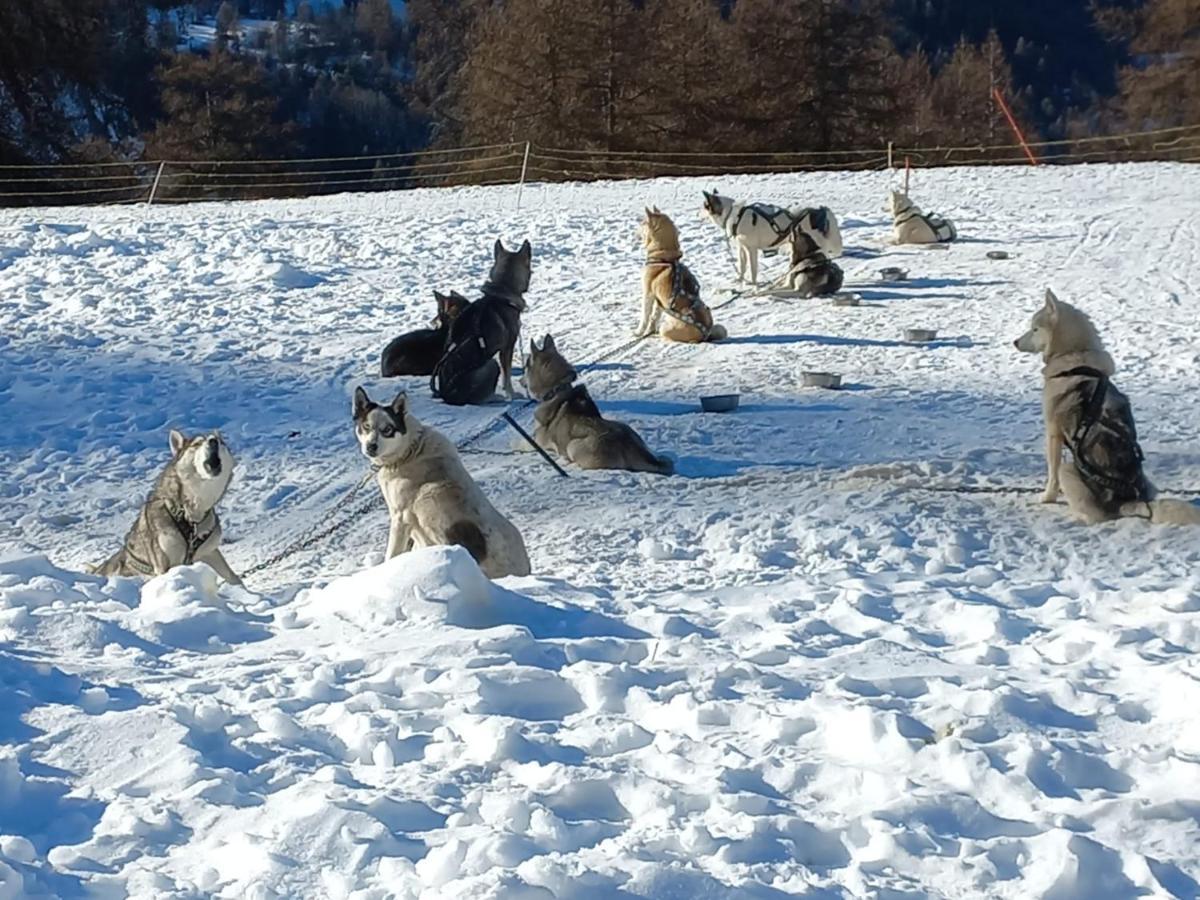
[803,666]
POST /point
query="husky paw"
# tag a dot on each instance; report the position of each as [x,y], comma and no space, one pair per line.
[1049,496]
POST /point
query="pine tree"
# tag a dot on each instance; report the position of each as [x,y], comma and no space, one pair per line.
[964,105]
[227,25]
[813,74]
[1160,88]
[216,107]
[373,19]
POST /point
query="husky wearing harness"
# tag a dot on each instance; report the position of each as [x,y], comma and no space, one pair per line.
[1084,412]
[761,227]
[568,420]
[418,352]
[485,332]
[911,226]
[431,498]
[178,523]
[670,292]
[812,273]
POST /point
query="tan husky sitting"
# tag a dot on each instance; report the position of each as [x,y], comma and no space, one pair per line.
[669,287]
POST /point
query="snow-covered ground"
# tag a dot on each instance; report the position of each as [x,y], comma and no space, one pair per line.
[792,669]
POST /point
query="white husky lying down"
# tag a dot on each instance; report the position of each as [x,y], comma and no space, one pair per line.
[911,226]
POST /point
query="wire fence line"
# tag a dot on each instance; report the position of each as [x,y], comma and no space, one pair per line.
[519,162]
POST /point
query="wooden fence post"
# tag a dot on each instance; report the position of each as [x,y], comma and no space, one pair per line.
[524,166]
[154,187]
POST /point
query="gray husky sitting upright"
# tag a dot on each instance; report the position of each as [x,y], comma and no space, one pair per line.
[567,419]
[431,498]
[178,523]
[1085,413]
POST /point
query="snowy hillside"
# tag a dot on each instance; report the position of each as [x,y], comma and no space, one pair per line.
[802,666]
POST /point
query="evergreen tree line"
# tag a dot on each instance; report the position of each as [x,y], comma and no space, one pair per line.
[95,79]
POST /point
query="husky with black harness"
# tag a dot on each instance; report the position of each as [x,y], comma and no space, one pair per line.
[812,272]
[911,226]
[483,338]
[764,228]
[568,420]
[671,301]
[178,523]
[1086,413]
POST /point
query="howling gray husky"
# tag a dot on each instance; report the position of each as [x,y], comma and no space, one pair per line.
[569,421]
[178,523]
[1085,413]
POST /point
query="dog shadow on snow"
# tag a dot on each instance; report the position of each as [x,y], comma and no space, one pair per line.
[561,621]
[830,340]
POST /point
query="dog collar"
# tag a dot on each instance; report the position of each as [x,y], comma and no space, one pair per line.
[553,394]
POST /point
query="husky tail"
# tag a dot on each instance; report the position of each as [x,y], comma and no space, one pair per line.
[1164,512]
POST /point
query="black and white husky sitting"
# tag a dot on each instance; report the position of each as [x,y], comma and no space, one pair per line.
[812,273]
[761,227]
[568,421]
[178,523]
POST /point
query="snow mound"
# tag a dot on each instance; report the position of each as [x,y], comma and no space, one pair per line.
[429,585]
[184,608]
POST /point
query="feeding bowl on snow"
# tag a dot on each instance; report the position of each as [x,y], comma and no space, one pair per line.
[845,298]
[720,403]
[997,254]
[821,379]
[893,273]
[919,335]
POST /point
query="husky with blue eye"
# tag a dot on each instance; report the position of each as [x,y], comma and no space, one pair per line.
[432,499]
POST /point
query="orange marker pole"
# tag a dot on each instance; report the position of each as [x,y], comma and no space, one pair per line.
[1015,127]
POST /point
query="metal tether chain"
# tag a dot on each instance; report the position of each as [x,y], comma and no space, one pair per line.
[314,534]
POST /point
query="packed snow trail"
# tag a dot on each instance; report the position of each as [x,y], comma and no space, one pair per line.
[789,670]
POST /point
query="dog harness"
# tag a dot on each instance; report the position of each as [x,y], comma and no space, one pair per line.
[768,214]
[687,316]
[937,224]
[191,534]
[1083,440]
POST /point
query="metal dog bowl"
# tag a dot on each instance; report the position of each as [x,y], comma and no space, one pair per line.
[893,273]
[919,335]
[821,379]
[844,298]
[997,254]
[720,403]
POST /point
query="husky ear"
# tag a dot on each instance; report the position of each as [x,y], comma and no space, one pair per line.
[548,343]
[498,250]
[400,403]
[1051,303]
[362,402]
[526,250]
[648,212]
[533,347]
[177,441]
